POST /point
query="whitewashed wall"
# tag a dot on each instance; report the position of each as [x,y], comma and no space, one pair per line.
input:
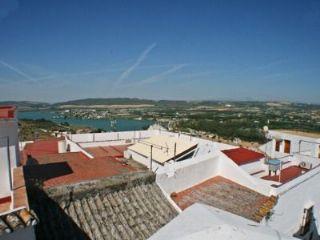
[75,147]
[306,145]
[255,166]
[9,128]
[230,170]
[4,169]
[23,144]
[110,136]
[105,144]
[143,160]
[301,193]
[185,174]
[8,141]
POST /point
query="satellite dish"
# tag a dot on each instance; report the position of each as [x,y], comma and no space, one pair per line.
[265,129]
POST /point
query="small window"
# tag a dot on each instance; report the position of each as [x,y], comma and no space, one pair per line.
[287,146]
[278,142]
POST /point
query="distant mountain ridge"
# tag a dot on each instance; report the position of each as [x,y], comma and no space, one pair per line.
[32,105]
[27,105]
[106,101]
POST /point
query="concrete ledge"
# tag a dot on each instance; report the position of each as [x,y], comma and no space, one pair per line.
[105,185]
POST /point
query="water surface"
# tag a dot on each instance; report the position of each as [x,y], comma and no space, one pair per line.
[120,124]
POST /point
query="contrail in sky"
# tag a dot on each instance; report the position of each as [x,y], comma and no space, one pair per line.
[159,77]
[139,60]
[16,70]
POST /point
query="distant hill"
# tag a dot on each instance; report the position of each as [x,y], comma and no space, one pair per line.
[27,105]
[107,101]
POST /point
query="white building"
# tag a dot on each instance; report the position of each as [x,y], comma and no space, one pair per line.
[9,150]
[204,160]
[283,143]
[277,189]
[16,221]
[205,222]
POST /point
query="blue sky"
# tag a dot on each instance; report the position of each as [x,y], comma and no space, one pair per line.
[230,50]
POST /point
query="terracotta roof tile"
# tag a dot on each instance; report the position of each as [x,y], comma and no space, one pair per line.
[16,220]
[224,194]
[135,212]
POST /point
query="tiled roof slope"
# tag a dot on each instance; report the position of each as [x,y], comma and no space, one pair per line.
[16,220]
[227,195]
[134,212]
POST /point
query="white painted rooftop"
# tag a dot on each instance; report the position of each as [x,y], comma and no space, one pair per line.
[164,148]
[201,221]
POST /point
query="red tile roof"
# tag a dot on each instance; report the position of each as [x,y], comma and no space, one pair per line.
[243,155]
[222,193]
[7,112]
[287,174]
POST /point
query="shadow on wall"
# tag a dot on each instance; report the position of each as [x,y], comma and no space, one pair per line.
[54,223]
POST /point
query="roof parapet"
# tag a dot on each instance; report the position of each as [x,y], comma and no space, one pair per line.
[7,112]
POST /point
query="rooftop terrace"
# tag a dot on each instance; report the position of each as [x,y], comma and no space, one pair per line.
[287,174]
[51,168]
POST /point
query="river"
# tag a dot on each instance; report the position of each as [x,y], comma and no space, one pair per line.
[120,124]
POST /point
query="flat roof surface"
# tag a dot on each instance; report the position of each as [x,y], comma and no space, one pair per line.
[224,194]
[163,147]
[76,170]
[287,174]
[107,151]
[56,158]
[42,146]
[243,155]
[54,169]
[39,148]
